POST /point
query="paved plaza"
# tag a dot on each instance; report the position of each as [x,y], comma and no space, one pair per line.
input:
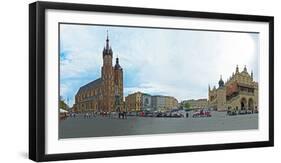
[112,126]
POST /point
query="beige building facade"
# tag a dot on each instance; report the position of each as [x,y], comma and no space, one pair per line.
[196,104]
[239,92]
[170,103]
[133,102]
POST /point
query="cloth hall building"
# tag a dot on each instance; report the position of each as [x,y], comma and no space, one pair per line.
[240,92]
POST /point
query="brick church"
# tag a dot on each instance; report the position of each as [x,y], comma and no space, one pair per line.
[104,94]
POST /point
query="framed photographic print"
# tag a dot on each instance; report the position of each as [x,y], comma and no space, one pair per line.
[111,81]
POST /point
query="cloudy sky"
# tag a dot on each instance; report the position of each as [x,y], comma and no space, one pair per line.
[179,63]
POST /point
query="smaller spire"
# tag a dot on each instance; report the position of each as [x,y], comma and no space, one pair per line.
[237,69]
[221,82]
[106,34]
[252,75]
[117,66]
[245,68]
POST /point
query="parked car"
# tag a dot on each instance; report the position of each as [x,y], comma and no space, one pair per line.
[159,114]
[231,112]
[132,114]
[250,111]
[242,112]
[176,114]
[202,113]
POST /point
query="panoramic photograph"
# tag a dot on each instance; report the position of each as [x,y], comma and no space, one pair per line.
[124,81]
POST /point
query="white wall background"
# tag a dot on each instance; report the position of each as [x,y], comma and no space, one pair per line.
[14,79]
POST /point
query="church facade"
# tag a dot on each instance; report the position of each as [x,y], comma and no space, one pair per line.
[104,94]
[240,92]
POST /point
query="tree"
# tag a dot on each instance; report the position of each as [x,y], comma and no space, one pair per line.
[187,105]
[62,104]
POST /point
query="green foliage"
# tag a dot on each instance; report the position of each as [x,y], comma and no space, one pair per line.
[63,105]
[187,105]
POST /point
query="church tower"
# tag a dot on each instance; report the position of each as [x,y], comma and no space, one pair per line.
[118,85]
[221,96]
[107,78]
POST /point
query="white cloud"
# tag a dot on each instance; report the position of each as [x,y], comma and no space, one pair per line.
[185,64]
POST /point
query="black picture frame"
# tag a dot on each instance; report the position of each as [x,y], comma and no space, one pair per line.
[37,80]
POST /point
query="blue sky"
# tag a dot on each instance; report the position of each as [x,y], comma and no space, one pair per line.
[179,63]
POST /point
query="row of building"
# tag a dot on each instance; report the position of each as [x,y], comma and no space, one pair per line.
[139,101]
[196,103]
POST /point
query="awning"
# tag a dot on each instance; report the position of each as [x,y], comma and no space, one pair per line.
[63,111]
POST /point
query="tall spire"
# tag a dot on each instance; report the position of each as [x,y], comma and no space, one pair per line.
[107,49]
[107,40]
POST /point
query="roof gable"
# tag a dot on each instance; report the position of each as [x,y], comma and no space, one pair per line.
[94,83]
